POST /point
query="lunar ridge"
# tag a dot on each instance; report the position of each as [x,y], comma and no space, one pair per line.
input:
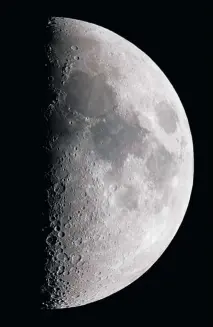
[121,164]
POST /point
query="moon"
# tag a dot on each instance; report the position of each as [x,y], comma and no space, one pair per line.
[121,163]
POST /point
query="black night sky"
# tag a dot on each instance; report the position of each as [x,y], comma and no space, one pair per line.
[174,291]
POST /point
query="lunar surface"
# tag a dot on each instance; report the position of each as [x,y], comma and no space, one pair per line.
[121,163]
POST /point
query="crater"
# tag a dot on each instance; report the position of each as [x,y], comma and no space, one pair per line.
[76,258]
[74,47]
[85,44]
[167,117]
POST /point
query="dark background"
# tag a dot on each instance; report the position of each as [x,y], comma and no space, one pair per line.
[174,291]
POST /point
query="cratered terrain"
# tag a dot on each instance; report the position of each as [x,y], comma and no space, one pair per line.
[121,164]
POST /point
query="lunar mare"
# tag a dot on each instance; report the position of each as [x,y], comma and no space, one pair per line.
[121,170]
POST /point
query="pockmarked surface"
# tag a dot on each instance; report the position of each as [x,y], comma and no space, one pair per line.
[121,169]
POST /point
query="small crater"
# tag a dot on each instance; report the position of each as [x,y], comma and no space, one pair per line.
[52,218]
[61,270]
[79,241]
[66,69]
[75,258]
[74,47]
[62,256]
[59,188]
[61,234]
[57,228]
[51,240]
[50,78]
[113,188]
[76,57]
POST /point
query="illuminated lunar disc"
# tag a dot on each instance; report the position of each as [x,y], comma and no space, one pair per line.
[122,163]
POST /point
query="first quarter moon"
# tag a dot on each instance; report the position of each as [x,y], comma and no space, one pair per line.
[121,163]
